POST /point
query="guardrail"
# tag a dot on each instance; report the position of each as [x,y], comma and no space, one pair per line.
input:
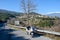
[20,27]
[44,31]
[50,32]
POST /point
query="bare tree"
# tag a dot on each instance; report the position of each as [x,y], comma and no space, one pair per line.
[28,7]
[23,6]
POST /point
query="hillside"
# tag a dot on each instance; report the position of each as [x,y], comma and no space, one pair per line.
[16,13]
[54,14]
[10,12]
[5,14]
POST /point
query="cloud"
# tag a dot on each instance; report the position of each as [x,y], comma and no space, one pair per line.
[52,12]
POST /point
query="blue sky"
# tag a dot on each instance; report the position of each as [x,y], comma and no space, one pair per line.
[43,6]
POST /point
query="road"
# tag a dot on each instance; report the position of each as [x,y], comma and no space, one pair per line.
[11,34]
[20,33]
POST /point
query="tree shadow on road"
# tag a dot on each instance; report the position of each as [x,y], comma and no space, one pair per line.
[35,35]
[6,35]
[14,37]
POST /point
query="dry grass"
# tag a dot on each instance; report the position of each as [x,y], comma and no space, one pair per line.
[15,28]
[52,36]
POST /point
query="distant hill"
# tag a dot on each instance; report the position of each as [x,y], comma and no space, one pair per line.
[5,14]
[16,13]
[9,12]
[54,14]
[33,13]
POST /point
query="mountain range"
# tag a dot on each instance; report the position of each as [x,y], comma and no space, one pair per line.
[54,15]
[33,13]
[9,12]
[16,13]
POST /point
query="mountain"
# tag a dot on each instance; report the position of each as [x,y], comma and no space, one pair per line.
[5,14]
[34,13]
[54,14]
[16,13]
[10,12]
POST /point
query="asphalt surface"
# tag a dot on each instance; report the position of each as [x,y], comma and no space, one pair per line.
[11,34]
[20,33]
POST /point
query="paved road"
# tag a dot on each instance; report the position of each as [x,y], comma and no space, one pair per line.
[10,34]
[20,33]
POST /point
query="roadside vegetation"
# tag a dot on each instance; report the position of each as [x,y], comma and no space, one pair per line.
[5,16]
